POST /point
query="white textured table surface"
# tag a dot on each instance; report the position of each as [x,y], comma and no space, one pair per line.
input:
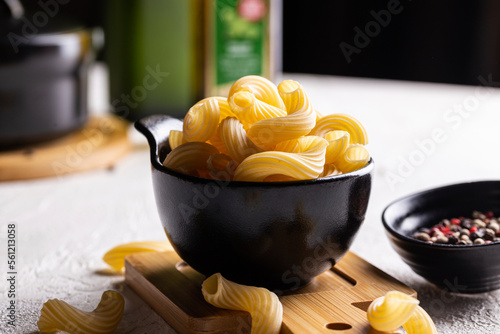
[65,225]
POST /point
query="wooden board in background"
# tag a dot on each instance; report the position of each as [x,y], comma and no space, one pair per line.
[99,144]
[335,302]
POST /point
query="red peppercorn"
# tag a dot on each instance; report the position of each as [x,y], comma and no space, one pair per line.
[455,221]
[473,229]
[444,229]
[489,214]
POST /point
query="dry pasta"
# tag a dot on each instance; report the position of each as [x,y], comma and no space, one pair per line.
[338,141]
[420,323]
[251,110]
[115,257]
[189,157]
[343,122]
[396,309]
[330,170]
[268,131]
[307,164]
[59,315]
[176,138]
[354,158]
[263,89]
[218,163]
[299,121]
[235,139]
[201,121]
[263,305]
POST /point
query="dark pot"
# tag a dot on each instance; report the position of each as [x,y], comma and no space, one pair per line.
[43,78]
[277,235]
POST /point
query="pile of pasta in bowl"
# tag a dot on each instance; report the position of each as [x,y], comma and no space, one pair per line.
[265,133]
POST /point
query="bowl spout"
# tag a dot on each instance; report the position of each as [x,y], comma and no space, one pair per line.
[156,129]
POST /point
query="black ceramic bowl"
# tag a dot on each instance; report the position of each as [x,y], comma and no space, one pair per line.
[457,268]
[276,235]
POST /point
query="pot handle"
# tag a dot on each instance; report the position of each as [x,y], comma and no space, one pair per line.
[14,9]
[156,129]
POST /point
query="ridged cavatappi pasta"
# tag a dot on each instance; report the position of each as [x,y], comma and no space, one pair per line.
[202,120]
[420,323]
[263,89]
[235,139]
[395,310]
[265,128]
[176,138]
[299,121]
[342,122]
[59,315]
[263,305]
[306,164]
[221,166]
[250,110]
[189,157]
[330,170]
[354,158]
[115,257]
[338,141]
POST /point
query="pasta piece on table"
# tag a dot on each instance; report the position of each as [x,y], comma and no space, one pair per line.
[115,257]
[263,305]
[59,315]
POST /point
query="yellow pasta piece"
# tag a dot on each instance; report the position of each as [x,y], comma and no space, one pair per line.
[307,164]
[59,315]
[250,110]
[263,305]
[420,323]
[318,115]
[217,142]
[115,257]
[176,138]
[388,313]
[189,157]
[330,170]
[354,158]
[343,122]
[338,141]
[221,166]
[299,121]
[395,310]
[263,89]
[201,121]
[235,139]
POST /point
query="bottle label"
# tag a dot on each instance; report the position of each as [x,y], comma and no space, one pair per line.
[241,28]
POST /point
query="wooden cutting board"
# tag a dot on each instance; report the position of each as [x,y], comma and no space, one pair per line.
[99,144]
[335,302]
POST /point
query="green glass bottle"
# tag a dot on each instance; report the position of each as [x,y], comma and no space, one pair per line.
[154,52]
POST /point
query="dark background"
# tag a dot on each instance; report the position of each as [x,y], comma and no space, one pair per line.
[449,41]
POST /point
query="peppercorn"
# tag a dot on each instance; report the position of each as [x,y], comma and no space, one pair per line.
[479,223]
[452,239]
[489,234]
[442,239]
[466,223]
[478,241]
[422,236]
[493,225]
[480,229]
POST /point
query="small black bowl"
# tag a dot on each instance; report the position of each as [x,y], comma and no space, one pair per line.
[278,235]
[457,268]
